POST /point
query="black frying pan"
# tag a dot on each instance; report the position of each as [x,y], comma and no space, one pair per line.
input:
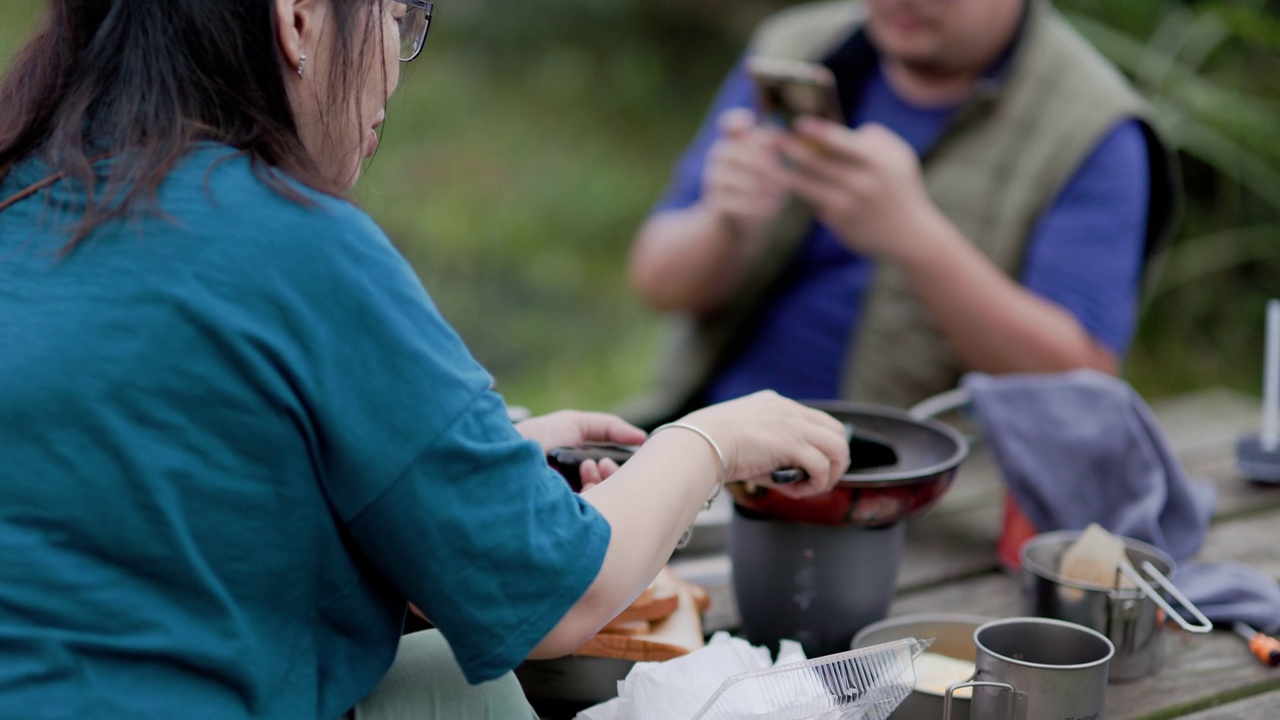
[900,466]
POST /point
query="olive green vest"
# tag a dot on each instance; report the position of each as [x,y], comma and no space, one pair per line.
[998,166]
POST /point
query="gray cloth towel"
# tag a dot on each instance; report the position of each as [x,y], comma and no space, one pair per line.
[1082,447]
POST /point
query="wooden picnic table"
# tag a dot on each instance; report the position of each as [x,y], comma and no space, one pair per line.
[950,566]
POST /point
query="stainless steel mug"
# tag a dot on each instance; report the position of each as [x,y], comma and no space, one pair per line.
[1037,669]
[1131,617]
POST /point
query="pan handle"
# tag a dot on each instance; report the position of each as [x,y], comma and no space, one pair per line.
[1202,623]
[939,404]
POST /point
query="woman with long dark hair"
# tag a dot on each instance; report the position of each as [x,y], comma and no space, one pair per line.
[237,436]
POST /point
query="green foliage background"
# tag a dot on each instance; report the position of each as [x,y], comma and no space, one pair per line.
[528,141]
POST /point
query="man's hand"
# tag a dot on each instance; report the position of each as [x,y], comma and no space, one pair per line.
[865,185]
[743,181]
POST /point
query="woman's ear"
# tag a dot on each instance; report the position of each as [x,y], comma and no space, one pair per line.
[298,24]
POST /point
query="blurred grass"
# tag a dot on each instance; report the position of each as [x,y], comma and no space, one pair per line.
[524,147]
[1211,70]
[514,209]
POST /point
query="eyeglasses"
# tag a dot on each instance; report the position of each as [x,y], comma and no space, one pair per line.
[413,26]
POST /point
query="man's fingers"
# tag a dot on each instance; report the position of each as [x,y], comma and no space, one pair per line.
[822,195]
[834,140]
[755,154]
[736,121]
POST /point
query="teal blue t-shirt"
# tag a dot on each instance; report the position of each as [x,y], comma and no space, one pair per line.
[235,437]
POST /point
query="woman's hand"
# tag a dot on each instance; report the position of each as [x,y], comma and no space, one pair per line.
[573,428]
[764,432]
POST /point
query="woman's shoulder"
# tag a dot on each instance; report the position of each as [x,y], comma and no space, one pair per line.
[230,185]
[235,206]
[269,233]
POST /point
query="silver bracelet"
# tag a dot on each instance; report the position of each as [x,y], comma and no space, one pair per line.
[724,465]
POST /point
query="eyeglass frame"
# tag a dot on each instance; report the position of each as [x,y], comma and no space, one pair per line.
[429,8]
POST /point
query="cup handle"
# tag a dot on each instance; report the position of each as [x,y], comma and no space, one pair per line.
[1012,693]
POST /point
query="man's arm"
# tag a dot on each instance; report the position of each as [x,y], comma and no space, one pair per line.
[991,322]
[866,186]
[693,250]
[686,260]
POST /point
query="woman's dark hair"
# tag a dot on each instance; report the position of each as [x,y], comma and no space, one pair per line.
[140,81]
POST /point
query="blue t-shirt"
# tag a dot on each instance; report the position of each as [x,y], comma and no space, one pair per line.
[1085,253]
[236,437]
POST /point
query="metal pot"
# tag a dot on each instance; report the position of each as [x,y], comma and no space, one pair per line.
[928,456]
[952,636]
[1131,618]
[568,685]
[815,584]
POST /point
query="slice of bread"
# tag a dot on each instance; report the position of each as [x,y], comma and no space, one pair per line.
[658,605]
[701,598]
[632,627]
[675,635]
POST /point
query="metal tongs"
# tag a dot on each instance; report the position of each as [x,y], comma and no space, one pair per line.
[1202,624]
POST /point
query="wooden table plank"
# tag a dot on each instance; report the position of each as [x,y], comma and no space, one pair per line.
[1198,670]
[1259,707]
[1251,539]
[1207,419]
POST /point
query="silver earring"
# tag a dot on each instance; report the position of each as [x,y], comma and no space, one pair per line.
[302,64]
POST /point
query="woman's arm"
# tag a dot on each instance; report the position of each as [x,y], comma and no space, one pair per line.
[655,496]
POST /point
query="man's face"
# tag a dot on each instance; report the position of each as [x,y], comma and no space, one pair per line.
[941,35]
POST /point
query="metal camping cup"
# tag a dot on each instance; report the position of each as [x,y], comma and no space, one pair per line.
[1131,617]
[952,637]
[1037,669]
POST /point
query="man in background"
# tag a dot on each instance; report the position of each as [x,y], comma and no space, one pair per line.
[988,205]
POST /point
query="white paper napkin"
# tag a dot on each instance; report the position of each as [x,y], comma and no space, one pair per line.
[678,688]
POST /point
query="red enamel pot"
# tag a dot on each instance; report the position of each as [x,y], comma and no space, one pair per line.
[928,455]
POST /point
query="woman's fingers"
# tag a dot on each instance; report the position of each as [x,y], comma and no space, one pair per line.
[589,474]
[607,467]
[810,463]
[764,432]
[604,427]
[594,472]
[833,442]
[572,428]
[823,455]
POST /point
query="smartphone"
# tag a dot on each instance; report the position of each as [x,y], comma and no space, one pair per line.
[791,88]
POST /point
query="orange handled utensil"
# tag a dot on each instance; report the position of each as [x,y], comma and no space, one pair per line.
[1264,647]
